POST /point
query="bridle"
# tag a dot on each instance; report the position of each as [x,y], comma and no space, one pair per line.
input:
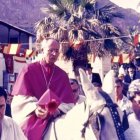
[115,117]
[91,117]
[97,120]
[94,118]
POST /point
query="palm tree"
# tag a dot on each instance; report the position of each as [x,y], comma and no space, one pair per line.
[82,27]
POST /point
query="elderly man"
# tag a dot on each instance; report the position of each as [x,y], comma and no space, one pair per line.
[9,130]
[134,119]
[36,81]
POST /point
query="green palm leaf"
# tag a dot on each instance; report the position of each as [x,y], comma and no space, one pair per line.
[85,21]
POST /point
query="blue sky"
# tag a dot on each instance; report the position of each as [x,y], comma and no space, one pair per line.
[133,4]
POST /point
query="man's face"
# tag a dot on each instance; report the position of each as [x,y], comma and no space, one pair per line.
[136,106]
[2,107]
[131,71]
[51,51]
[75,89]
[118,88]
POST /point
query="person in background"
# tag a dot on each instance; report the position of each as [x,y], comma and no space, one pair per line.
[8,105]
[93,77]
[137,63]
[121,76]
[122,70]
[76,91]
[9,130]
[33,83]
[125,85]
[132,74]
[133,132]
[120,98]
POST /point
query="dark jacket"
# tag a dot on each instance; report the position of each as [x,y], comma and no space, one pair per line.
[96,79]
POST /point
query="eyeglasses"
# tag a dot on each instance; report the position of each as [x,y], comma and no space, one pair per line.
[137,102]
[53,50]
[74,90]
[72,82]
[2,106]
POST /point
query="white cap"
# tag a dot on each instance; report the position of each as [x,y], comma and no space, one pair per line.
[121,70]
[134,86]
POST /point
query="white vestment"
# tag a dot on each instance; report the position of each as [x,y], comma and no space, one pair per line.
[133,132]
[10,130]
[125,104]
[22,106]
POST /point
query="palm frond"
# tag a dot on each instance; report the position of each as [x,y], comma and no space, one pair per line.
[81,23]
[118,15]
[107,13]
[89,6]
[110,30]
[55,2]
[110,46]
[83,3]
[94,22]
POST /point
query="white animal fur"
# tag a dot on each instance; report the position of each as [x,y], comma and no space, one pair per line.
[69,126]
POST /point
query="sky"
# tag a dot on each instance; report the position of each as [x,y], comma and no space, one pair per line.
[134,4]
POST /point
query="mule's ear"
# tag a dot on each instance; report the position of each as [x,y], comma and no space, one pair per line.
[93,98]
[86,84]
[83,76]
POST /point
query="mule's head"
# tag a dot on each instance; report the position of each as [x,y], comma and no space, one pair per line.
[98,107]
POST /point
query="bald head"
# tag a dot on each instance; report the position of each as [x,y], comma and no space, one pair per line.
[49,42]
[50,50]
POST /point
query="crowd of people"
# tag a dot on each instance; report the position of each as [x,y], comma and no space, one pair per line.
[43,90]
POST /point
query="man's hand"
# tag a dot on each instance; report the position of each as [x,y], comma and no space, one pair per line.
[41,112]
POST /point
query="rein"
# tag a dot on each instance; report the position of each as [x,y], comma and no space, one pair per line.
[52,120]
[115,115]
[95,118]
